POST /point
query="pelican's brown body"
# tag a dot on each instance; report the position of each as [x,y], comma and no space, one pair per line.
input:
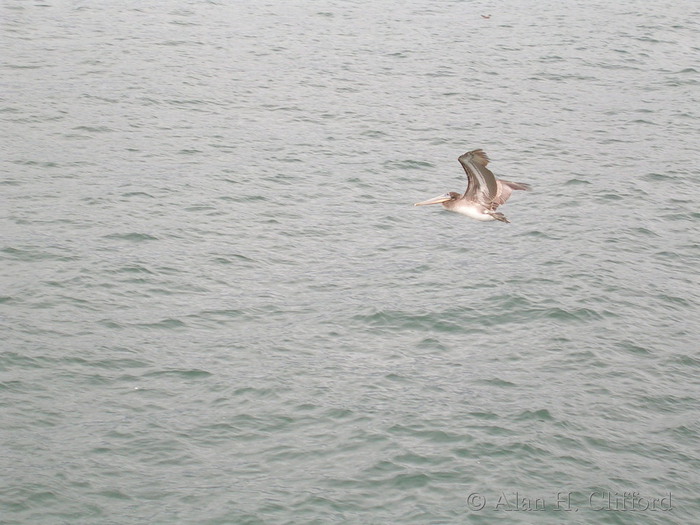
[484,192]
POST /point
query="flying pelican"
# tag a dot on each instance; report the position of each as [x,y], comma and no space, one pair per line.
[484,192]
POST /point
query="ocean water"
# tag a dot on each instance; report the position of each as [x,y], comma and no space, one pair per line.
[219,306]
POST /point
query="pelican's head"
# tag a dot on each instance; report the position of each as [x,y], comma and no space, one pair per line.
[444,198]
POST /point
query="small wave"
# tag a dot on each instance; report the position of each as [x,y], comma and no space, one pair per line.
[168,323]
[536,415]
[137,194]
[187,374]
[407,165]
[132,236]
[94,129]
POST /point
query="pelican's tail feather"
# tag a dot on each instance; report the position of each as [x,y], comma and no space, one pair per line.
[517,185]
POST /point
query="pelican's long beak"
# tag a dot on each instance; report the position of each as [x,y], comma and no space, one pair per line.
[435,200]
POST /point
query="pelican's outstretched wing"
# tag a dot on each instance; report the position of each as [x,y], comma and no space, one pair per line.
[482,185]
[505,188]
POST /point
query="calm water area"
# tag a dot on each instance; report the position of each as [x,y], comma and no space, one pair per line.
[218,304]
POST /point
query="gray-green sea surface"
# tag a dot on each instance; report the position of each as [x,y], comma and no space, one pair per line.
[219,306]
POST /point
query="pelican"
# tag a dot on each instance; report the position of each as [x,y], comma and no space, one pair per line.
[484,192]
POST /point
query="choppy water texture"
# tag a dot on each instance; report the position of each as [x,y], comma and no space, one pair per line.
[218,305]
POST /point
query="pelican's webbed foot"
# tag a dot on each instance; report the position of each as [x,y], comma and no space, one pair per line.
[498,216]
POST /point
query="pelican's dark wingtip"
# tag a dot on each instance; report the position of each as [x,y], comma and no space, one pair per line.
[478,155]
